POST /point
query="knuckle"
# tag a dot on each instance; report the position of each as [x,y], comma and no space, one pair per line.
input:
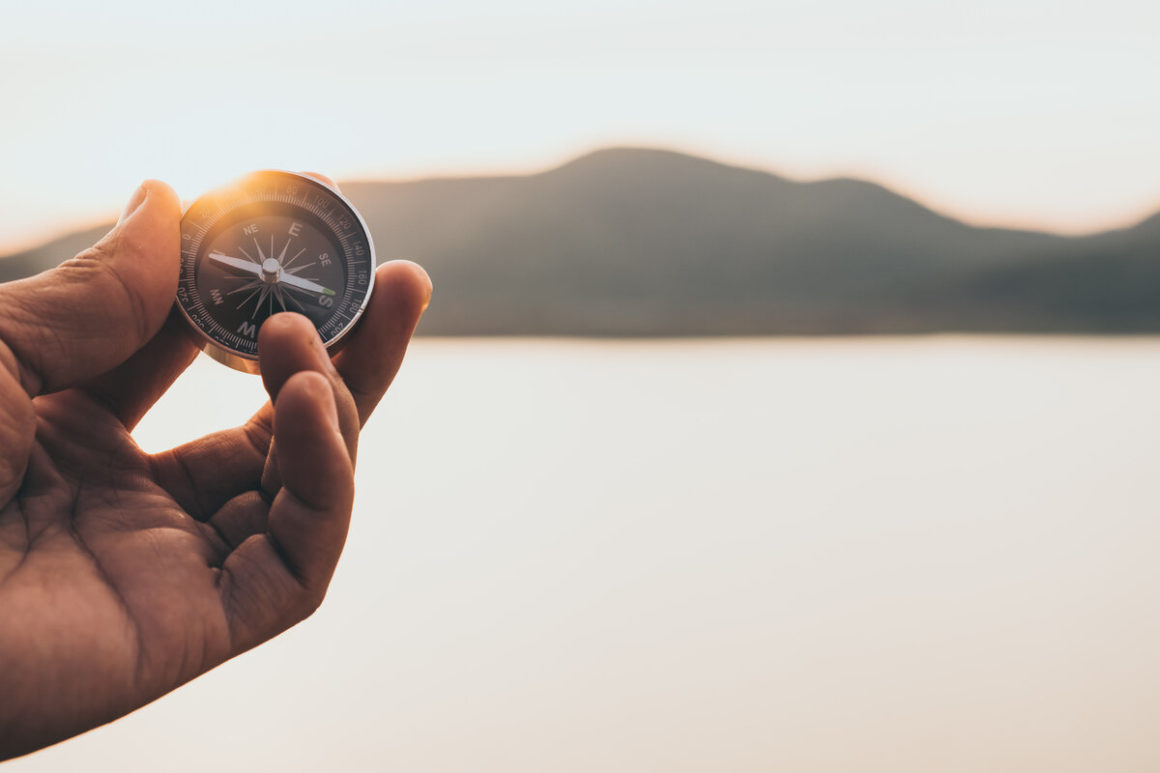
[259,433]
[138,311]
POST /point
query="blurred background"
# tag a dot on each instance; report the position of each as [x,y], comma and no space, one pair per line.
[786,401]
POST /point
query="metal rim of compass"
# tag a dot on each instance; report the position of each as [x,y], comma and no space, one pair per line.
[244,361]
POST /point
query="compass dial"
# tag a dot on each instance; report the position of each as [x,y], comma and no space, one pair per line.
[275,241]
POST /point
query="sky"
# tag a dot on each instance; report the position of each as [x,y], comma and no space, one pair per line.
[1032,113]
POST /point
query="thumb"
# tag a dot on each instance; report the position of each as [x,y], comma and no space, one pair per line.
[89,314]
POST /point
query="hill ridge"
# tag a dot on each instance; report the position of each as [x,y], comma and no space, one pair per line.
[647,241]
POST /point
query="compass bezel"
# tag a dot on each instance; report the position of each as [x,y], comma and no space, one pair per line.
[230,198]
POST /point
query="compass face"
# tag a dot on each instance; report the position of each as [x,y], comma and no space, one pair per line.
[273,242]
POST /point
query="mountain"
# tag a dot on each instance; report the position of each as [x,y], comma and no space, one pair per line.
[1104,283]
[645,242]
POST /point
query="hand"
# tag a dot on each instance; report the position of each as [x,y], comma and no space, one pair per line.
[124,575]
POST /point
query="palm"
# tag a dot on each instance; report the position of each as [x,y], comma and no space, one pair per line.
[127,578]
[124,574]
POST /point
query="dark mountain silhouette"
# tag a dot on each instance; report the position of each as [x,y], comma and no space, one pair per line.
[647,242]
[1104,283]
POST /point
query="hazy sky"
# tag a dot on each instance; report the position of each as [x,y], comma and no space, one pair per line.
[1039,113]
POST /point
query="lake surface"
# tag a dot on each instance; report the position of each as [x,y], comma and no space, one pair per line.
[917,554]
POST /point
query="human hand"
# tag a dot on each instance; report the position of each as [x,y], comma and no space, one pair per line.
[123,574]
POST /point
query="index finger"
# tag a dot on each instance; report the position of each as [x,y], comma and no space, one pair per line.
[207,472]
[276,578]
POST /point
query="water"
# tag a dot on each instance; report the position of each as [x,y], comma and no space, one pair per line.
[874,555]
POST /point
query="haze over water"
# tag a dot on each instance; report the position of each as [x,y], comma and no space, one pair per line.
[810,555]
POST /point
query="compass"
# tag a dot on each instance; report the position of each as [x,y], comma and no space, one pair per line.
[272,242]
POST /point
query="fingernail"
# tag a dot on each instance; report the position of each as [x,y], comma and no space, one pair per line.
[135,201]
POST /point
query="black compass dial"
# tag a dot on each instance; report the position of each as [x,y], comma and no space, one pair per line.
[274,242]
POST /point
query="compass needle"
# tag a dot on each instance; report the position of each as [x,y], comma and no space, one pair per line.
[232,262]
[245,242]
[310,285]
